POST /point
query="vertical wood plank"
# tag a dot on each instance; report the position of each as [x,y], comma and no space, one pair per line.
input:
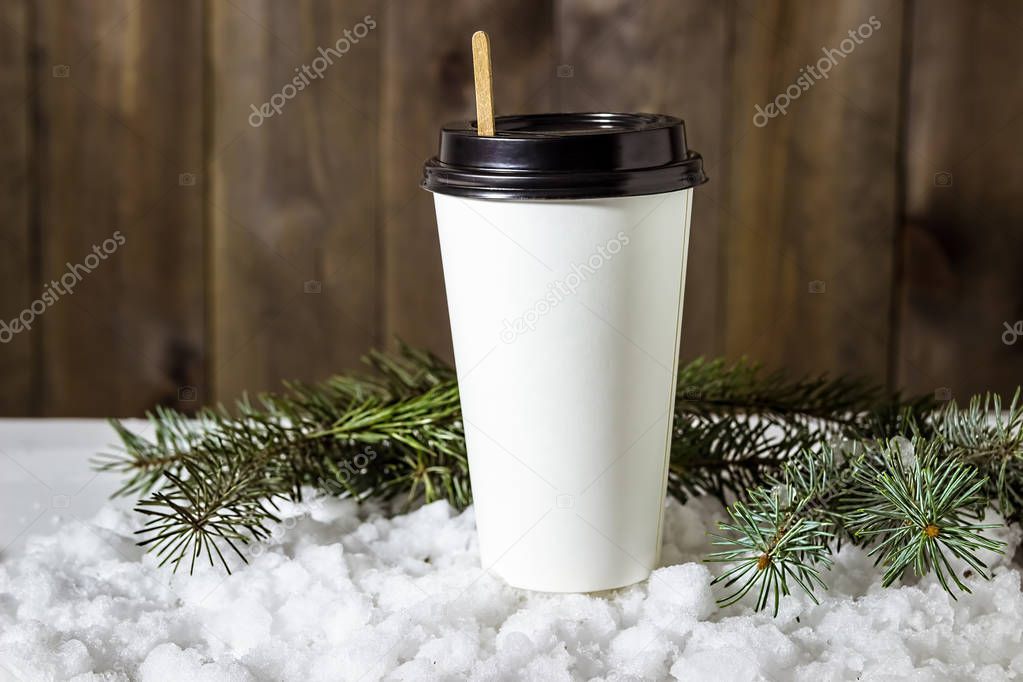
[428,81]
[963,242]
[808,251]
[293,204]
[662,56]
[120,86]
[17,276]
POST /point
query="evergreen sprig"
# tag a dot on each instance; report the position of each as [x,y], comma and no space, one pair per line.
[804,464]
[785,528]
[990,438]
[213,481]
[916,506]
[736,424]
[914,499]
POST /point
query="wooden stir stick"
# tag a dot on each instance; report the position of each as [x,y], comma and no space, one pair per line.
[484,84]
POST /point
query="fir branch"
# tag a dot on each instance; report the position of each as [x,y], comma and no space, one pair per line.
[735,425]
[725,456]
[990,438]
[916,506]
[776,543]
[785,529]
[839,403]
[213,483]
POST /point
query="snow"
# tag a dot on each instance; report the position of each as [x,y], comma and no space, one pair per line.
[349,593]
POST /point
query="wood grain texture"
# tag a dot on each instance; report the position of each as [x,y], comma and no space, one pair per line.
[17,258]
[293,203]
[963,242]
[809,229]
[891,186]
[119,86]
[428,81]
[663,56]
[484,79]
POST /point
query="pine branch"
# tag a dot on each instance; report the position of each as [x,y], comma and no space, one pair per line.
[735,425]
[916,506]
[991,439]
[724,456]
[842,403]
[785,529]
[213,483]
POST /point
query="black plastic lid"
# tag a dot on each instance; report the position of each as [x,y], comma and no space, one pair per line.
[565,156]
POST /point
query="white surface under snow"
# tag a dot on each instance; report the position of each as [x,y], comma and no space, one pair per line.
[348,594]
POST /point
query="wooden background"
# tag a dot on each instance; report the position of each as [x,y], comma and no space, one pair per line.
[896,182]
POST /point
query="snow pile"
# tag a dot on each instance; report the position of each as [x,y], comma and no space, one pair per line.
[349,594]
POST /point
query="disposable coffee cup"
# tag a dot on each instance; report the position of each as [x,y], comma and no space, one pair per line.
[564,240]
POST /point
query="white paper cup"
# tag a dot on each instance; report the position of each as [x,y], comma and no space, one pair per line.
[565,317]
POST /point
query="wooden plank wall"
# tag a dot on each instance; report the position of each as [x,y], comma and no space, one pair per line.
[874,228]
[962,245]
[293,203]
[812,214]
[17,264]
[119,92]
